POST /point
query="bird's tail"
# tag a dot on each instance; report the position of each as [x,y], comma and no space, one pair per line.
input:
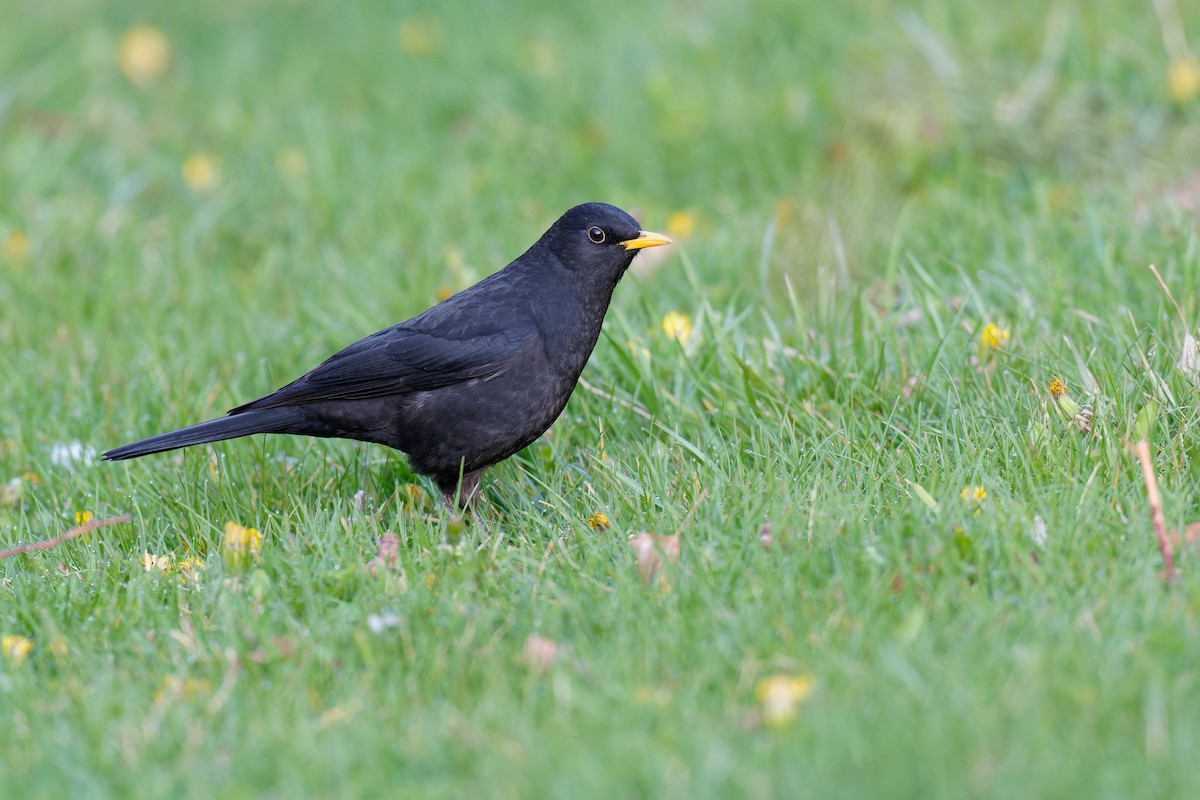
[269,420]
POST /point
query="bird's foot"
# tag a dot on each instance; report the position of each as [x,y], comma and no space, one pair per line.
[461,496]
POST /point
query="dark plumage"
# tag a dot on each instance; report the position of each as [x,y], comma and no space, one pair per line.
[470,381]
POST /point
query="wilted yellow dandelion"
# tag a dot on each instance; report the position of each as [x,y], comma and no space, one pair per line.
[201,172]
[781,695]
[973,494]
[240,542]
[175,688]
[143,54]
[189,570]
[153,563]
[15,649]
[993,337]
[291,162]
[598,521]
[677,326]
[1183,79]
[680,224]
[1066,406]
[414,496]
[83,517]
[16,246]
[421,36]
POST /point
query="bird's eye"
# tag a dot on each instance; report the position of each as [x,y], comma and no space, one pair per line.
[596,234]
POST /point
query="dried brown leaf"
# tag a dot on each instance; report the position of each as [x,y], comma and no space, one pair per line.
[539,653]
[650,549]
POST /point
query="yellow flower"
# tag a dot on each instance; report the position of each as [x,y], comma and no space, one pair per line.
[680,224]
[159,564]
[175,688]
[83,517]
[238,542]
[1067,408]
[976,494]
[201,172]
[16,246]
[58,647]
[651,696]
[414,496]
[783,211]
[677,326]
[143,54]
[454,260]
[1183,79]
[15,649]
[598,521]
[993,337]
[291,162]
[420,36]
[189,570]
[781,695]
[638,350]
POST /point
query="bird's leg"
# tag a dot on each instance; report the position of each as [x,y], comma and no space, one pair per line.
[465,491]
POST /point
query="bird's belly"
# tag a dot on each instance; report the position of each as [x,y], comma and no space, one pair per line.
[474,424]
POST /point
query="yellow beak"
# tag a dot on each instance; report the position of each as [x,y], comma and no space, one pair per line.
[646,239]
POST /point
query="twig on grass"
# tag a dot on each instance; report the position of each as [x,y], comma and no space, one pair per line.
[1141,451]
[1189,356]
[46,544]
[1171,297]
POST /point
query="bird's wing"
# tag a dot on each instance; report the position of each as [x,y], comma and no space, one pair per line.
[399,360]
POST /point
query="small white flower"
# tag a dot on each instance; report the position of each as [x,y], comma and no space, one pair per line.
[71,453]
[378,623]
[1038,532]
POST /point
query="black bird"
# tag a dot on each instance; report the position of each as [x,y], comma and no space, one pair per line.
[467,383]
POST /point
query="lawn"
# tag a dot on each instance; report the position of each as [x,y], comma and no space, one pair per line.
[905,568]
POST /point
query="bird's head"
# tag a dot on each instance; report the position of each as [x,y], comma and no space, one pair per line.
[598,241]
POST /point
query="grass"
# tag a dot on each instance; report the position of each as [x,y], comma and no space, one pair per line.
[859,215]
